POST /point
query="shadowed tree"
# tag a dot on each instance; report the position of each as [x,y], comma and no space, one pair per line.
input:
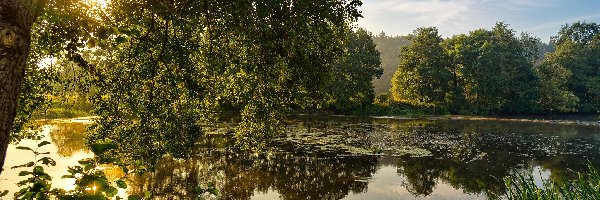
[577,50]
[160,68]
[351,89]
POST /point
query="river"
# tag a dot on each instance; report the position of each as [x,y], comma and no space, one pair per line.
[349,158]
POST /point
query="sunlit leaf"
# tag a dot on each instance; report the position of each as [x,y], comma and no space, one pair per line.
[38,170]
[134,197]
[4,193]
[24,173]
[68,176]
[121,184]
[29,164]
[43,143]
[47,161]
[100,148]
[24,148]
[111,191]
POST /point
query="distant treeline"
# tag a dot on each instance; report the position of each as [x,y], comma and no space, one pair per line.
[484,72]
[389,47]
[497,71]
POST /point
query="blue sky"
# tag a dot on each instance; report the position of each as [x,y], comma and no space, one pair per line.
[541,18]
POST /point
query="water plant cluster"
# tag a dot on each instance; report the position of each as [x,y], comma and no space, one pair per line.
[586,186]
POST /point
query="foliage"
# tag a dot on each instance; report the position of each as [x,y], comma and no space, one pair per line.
[555,96]
[61,29]
[422,76]
[156,71]
[159,70]
[35,89]
[38,184]
[91,182]
[487,71]
[577,47]
[384,105]
[496,71]
[587,186]
[351,89]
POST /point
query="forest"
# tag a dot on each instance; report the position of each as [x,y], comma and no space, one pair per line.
[159,79]
[496,71]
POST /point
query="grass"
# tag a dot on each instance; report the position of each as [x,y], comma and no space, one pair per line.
[586,186]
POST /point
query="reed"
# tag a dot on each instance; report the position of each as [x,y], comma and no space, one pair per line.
[586,186]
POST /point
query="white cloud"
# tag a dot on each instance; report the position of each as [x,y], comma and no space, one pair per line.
[433,12]
[399,17]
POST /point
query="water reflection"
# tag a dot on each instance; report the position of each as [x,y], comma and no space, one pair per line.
[65,154]
[467,160]
[240,177]
[69,138]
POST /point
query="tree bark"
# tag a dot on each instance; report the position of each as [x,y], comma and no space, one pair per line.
[16,19]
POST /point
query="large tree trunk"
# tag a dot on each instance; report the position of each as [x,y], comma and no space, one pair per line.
[16,19]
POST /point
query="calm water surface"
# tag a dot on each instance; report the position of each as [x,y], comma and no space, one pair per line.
[351,158]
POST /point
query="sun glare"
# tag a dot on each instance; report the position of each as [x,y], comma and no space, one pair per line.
[99,3]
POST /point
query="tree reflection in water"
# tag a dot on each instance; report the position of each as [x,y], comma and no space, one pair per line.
[471,156]
[239,177]
[69,137]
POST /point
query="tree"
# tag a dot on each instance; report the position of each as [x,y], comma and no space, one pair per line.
[555,96]
[389,47]
[497,71]
[173,66]
[351,88]
[422,76]
[460,54]
[577,47]
[16,19]
[57,29]
[161,69]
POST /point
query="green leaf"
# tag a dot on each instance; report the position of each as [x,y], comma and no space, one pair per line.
[25,148]
[134,197]
[28,195]
[38,170]
[68,176]
[147,194]
[121,184]
[47,161]
[91,43]
[116,30]
[125,169]
[4,193]
[85,162]
[22,191]
[43,143]
[111,191]
[100,148]
[26,181]
[88,167]
[108,160]
[29,164]
[24,173]
[121,39]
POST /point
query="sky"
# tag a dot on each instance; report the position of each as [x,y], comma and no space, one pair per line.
[541,18]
